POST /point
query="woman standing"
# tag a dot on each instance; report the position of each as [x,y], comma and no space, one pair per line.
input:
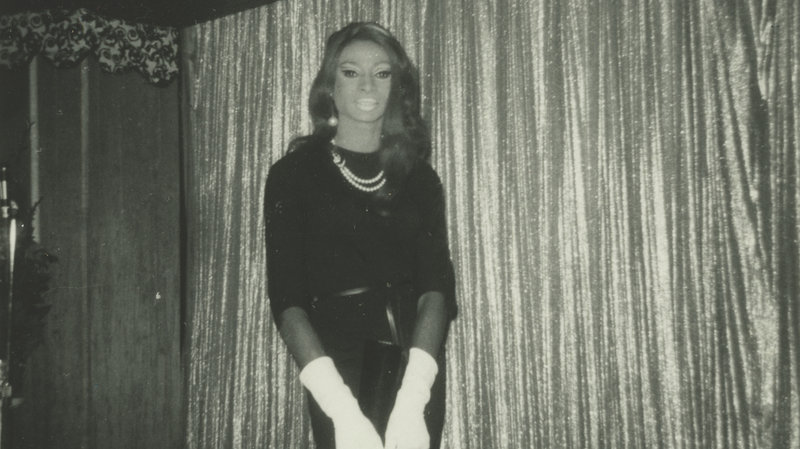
[359,271]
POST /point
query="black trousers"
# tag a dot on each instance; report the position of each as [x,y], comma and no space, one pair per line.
[355,333]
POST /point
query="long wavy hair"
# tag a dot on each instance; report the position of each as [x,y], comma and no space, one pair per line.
[405,136]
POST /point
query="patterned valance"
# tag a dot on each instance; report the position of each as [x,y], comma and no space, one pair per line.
[65,37]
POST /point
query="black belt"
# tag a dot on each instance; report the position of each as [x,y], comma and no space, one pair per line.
[389,300]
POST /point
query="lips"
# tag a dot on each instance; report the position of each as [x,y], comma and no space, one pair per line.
[367,104]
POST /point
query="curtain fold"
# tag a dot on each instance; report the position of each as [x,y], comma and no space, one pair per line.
[622,204]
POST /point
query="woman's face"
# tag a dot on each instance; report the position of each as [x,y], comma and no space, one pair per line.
[363,83]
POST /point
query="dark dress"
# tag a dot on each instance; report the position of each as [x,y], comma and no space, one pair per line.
[325,238]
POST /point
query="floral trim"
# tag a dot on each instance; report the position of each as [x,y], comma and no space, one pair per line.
[66,37]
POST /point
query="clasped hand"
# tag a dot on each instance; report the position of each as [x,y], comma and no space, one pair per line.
[406,428]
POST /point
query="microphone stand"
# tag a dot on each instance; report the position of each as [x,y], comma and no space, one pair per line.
[8,240]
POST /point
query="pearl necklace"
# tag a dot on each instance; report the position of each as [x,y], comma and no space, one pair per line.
[365,185]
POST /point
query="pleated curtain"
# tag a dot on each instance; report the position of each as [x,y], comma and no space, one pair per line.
[622,197]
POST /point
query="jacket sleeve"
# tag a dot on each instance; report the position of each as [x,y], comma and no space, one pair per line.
[284,227]
[434,267]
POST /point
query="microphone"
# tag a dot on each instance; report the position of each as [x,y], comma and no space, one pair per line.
[4,204]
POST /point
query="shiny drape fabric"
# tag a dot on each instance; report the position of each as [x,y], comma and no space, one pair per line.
[622,205]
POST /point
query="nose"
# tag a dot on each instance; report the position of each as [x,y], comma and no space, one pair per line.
[366,83]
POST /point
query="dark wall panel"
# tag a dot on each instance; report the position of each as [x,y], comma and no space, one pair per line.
[133,225]
[108,375]
[55,410]
[14,130]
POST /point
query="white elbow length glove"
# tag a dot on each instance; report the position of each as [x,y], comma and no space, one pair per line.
[352,429]
[406,428]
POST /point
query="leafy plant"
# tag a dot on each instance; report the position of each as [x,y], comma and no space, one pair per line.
[32,264]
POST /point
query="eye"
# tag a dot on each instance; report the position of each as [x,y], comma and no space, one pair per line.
[349,73]
[383,74]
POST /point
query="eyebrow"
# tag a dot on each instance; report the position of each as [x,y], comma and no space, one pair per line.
[389,63]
